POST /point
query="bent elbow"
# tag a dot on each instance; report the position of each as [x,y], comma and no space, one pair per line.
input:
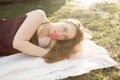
[17,44]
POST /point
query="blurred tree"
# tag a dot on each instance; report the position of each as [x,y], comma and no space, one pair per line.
[7,1]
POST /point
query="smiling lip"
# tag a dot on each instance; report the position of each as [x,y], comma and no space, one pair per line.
[53,35]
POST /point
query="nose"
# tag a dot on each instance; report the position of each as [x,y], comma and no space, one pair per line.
[59,34]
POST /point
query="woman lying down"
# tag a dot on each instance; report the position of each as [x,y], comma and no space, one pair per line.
[31,35]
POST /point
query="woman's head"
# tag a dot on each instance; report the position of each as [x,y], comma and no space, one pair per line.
[63,30]
[68,37]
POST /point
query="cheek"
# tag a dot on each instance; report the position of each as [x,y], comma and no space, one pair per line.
[58,29]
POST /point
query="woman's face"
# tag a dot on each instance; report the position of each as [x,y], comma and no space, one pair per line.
[62,31]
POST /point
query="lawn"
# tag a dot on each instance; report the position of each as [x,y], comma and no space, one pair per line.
[101,19]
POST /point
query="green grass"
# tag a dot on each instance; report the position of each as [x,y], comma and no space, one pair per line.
[11,10]
[102,20]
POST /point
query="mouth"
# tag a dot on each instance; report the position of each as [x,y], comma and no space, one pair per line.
[53,35]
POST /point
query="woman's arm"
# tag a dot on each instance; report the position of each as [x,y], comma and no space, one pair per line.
[26,31]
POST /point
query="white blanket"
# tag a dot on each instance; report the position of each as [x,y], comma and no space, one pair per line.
[22,67]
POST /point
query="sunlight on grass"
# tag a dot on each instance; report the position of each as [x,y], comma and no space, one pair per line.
[86,3]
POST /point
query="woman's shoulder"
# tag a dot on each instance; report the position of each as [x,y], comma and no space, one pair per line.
[36,12]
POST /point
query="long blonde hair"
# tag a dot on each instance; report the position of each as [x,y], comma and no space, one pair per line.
[63,49]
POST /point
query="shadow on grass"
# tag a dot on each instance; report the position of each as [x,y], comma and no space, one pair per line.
[13,9]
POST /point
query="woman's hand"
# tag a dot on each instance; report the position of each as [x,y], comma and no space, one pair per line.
[44,41]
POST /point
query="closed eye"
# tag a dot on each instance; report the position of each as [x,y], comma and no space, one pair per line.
[65,30]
